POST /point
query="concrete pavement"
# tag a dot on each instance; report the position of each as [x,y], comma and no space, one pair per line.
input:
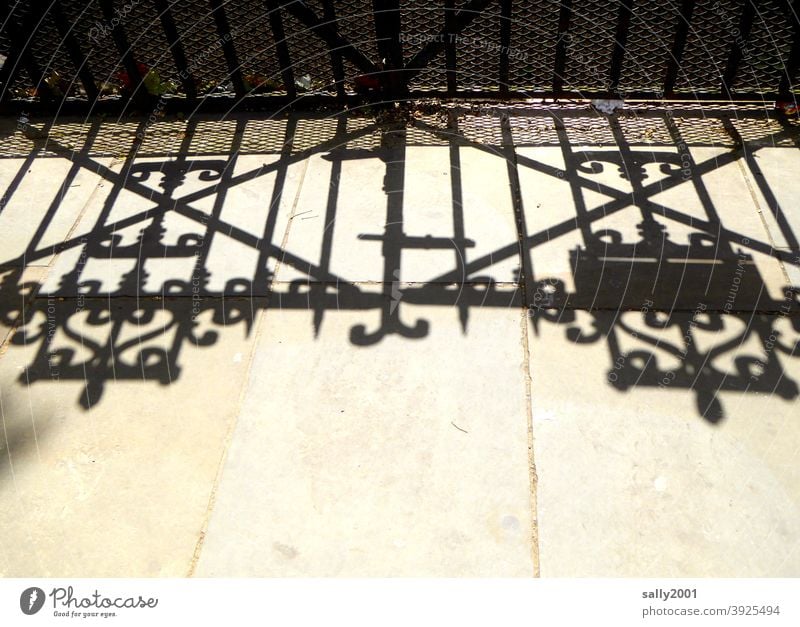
[505,341]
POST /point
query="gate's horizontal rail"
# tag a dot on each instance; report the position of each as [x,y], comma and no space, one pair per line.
[78,54]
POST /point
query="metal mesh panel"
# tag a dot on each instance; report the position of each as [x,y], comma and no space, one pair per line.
[150,47]
[649,46]
[202,45]
[590,44]
[422,19]
[309,53]
[91,30]
[712,31]
[534,31]
[483,129]
[533,131]
[5,45]
[255,45]
[767,49]
[477,53]
[645,131]
[589,131]
[763,131]
[51,57]
[22,84]
[357,25]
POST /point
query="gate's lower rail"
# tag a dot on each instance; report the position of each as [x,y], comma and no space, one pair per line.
[184,54]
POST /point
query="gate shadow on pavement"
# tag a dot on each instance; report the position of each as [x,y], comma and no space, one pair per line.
[699,310]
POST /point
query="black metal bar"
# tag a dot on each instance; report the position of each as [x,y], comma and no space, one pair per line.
[29,29]
[329,35]
[792,63]
[450,46]
[74,51]
[127,58]
[461,20]
[789,76]
[11,65]
[738,47]
[678,46]
[278,102]
[175,45]
[281,48]
[562,45]
[225,37]
[589,94]
[505,44]
[620,41]
[20,56]
[329,12]
[390,48]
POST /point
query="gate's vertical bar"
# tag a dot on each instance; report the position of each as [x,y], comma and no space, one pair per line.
[127,58]
[11,63]
[19,55]
[74,51]
[37,15]
[678,46]
[505,44]
[450,46]
[620,40]
[336,57]
[226,39]
[738,48]
[390,47]
[562,47]
[281,49]
[174,40]
[790,67]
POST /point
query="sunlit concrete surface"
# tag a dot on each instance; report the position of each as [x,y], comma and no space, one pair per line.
[365,471]
[509,341]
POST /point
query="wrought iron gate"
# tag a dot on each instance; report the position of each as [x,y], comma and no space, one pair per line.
[253,53]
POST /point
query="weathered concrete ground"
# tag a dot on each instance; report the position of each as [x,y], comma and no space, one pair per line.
[504,342]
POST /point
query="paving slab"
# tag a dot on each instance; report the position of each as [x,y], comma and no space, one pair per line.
[122,488]
[402,458]
[635,482]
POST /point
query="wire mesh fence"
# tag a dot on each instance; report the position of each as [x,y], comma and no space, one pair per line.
[272,51]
